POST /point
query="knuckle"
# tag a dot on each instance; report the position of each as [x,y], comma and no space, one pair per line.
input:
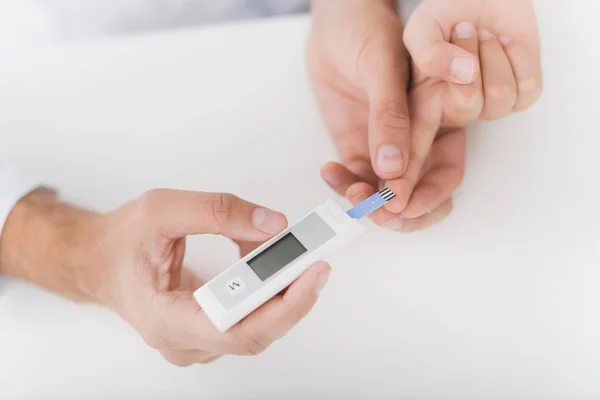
[392,117]
[501,91]
[221,206]
[417,160]
[144,203]
[469,102]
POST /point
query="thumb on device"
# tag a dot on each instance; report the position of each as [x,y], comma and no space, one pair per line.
[178,213]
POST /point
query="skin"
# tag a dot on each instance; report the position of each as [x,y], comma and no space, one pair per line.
[372,97]
[396,109]
[131,260]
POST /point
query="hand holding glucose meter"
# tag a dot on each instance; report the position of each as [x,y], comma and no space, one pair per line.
[273,266]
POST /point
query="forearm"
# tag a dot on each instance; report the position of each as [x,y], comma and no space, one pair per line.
[323,6]
[42,242]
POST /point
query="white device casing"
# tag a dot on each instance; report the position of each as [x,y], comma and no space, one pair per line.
[345,228]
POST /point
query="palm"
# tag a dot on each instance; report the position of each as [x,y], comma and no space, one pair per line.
[497,76]
[347,70]
[345,110]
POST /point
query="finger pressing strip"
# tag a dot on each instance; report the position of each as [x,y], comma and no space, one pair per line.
[371,204]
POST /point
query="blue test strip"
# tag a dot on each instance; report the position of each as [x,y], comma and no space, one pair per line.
[371,204]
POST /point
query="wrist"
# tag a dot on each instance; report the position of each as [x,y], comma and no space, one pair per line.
[44,241]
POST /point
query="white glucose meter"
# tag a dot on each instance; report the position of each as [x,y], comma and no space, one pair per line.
[262,274]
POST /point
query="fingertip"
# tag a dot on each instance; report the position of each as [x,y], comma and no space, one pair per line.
[420,203]
[395,224]
[396,206]
[330,172]
[428,219]
[319,267]
[525,99]
[464,30]
[463,69]
[450,62]
[433,190]
[485,35]
[403,191]
[526,66]
[310,279]
[338,177]
[302,294]
[281,313]
[322,271]
[358,192]
[268,221]
[390,161]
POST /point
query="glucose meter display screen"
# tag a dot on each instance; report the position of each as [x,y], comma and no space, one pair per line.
[274,258]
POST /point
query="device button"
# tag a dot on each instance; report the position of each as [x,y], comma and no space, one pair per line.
[234,286]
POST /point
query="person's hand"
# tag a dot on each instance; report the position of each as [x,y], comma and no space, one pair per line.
[143,245]
[359,70]
[487,78]
[131,260]
[472,59]
[451,88]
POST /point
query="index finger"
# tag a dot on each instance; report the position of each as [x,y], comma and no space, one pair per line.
[389,121]
[177,213]
[426,123]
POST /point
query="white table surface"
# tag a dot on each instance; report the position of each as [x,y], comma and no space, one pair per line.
[500,301]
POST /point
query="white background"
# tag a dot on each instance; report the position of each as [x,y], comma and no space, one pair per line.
[500,301]
[40,23]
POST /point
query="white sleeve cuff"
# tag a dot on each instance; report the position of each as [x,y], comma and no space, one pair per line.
[13,187]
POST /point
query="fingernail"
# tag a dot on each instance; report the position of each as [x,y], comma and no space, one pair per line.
[322,281]
[463,68]
[389,159]
[484,35]
[504,40]
[267,221]
[394,225]
[464,30]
